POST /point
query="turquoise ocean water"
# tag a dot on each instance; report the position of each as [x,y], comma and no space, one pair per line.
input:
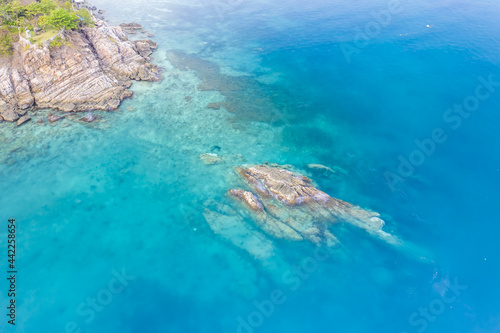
[114,210]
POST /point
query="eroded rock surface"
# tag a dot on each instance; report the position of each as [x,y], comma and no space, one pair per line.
[131,28]
[88,118]
[22,120]
[92,72]
[146,47]
[287,205]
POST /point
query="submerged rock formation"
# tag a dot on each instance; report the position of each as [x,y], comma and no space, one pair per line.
[287,205]
[131,28]
[91,71]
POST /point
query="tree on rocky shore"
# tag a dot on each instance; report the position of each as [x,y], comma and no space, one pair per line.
[60,18]
[49,15]
[58,14]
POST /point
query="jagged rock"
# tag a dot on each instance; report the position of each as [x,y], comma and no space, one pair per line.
[88,118]
[143,49]
[250,199]
[146,47]
[282,184]
[131,28]
[210,158]
[93,73]
[40,121]
[287,205]
[54,118]
[22,120]
[9,115]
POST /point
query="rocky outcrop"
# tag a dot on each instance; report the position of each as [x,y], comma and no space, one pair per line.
[146,47]
[8,114]
[88,118]
[54,118]
[22,120]
[131,28]
[92,71]
[249,198]
[287,205]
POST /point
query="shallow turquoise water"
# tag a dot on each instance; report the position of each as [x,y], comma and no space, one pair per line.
[129,192]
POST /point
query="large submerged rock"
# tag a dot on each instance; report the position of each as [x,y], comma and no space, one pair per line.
[92,72]
[131,28]
[287,205]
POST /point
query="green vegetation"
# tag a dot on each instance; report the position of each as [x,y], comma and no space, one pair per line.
[5,42]
[48,15]
[85,16]
[58,41]
[49,33]
[61,18]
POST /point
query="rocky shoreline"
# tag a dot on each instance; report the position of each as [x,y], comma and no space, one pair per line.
[92,70]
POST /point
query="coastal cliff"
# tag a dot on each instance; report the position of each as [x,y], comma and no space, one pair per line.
[91,69]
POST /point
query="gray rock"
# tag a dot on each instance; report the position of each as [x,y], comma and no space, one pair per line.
[131,28]
[22,120]
[287,205]
[10,115]
[89,117]
[54,118]
[133,25]
[145,47]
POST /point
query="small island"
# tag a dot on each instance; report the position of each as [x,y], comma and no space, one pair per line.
[60,55]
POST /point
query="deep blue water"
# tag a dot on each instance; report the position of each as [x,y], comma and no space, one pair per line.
[129,193]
